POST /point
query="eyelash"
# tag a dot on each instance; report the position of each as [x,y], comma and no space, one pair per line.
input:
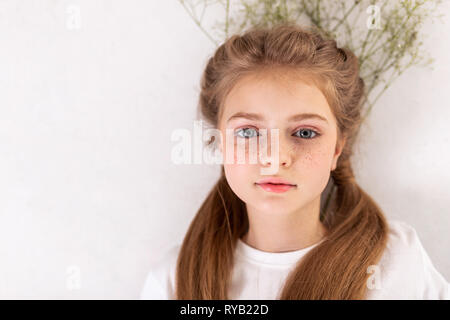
[317,134]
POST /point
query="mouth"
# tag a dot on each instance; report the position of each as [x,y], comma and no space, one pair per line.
[278,184]
[275,181]
[276,187]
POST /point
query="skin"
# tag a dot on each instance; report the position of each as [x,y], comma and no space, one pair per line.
[288,221]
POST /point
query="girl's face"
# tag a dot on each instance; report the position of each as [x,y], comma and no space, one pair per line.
[308,148]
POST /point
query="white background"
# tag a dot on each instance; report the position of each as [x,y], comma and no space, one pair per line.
[88,193]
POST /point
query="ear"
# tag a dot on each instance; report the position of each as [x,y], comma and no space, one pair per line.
[338,150]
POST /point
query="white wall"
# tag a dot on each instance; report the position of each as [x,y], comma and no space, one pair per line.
[404,153]
[87,108]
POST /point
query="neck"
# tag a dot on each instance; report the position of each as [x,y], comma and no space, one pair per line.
[284,231]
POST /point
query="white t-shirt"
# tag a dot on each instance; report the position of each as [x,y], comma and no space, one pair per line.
[405,271]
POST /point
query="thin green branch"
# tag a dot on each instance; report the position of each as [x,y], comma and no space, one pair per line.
[390,40]
[197,22]
[386,86]
[361,55]
[380,51]
[345,16]
[227,18]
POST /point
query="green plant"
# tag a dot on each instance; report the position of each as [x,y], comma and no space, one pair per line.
[383,34]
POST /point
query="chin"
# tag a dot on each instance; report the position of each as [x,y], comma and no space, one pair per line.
[275,205]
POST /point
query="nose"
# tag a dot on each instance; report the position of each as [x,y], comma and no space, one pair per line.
[284,152]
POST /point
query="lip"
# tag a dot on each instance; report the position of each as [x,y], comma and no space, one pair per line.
[275,180]
[277,188]
[276,185]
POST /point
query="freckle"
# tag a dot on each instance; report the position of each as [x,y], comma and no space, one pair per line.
[313,157]
[308,156]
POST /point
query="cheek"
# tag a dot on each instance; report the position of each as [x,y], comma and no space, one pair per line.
[314,166]
[315,157]
[237,173]
[239,178]
[242,153]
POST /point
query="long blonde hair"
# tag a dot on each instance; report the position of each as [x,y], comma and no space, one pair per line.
[337,268]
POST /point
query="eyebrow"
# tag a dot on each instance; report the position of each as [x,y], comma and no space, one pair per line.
[296,117]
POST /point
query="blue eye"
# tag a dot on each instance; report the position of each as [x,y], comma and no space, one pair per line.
[308,136]
[247,133]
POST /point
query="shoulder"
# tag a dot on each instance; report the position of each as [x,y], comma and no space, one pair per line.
[405,270]
[403,240]
[160,280]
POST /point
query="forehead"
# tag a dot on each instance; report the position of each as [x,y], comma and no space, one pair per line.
[275,95]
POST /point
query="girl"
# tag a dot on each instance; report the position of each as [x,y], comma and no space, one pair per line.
[262,236]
